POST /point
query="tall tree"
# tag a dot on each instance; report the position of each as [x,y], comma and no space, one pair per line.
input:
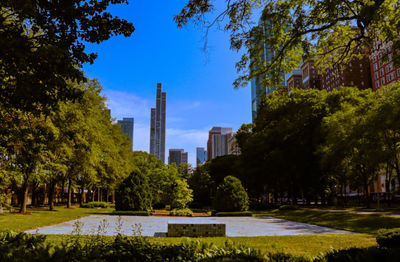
[42,45]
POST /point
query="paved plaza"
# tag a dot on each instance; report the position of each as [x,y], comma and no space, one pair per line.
[158,226]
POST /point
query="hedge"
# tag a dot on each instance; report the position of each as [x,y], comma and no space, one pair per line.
[181,212]
[234,214]
[96,204]
[131,213]
[389,238]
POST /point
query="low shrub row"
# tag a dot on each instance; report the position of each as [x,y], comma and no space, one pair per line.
[186,212]
[131,213]
[389,238]
[97,204]
[234,214]
[22,247]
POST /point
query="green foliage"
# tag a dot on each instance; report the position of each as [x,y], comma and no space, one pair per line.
[186,212]
[181,194]
[332,32]
[96,204]
[46,48]
[234,214]
[231,196]
[389,238]
[362,255]
[203,186]
[23,247]
[133,194]
[131,213]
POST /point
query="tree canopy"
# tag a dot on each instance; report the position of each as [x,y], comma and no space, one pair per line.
[42,46]
[330,31]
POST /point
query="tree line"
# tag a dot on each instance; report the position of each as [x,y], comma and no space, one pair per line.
[313,145]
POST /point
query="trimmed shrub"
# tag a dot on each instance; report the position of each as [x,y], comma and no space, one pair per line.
[234,214]
[186,212]
[288,207]
[231,196]
[134,193]
[182,195]
[96,204]
[389,238]
[370,254]
[131,213]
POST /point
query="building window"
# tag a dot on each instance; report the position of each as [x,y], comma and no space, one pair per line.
[361,70]
[380,63]
[383,81]
[390,57]
[377,84]
[376,75]
[390,67]
[380,55]
[374,58]
[351,83]
[376,66]
[362,83]
[382,72]
[398,72]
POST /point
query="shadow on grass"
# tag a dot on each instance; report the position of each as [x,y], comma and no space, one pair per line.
[345,221]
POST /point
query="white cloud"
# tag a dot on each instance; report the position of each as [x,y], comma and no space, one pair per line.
[124,104]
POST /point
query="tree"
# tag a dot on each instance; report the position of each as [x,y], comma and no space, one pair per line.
[231,196]
[182,195]
[42,46]
[330,31]
[203,186]
[133,193]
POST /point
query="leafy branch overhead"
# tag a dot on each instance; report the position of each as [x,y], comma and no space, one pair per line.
[330,31]
[42,44]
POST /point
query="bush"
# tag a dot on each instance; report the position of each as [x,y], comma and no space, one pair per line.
[182,195]
[234,214]
[131,213]
[389,238]
[181,212]
[96,204]
[133,193]
[288,207]
[258,206]
[22,247]
[370,254]
[231,196]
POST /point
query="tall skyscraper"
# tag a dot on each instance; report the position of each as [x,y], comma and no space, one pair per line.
[127,127]
[157,125]
[177,156]
[201,155]
[257,90]
[217,144]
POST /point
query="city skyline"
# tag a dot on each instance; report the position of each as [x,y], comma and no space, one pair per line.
[157,124]
[198,81]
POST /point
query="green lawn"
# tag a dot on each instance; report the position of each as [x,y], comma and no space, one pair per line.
[369,224]
[42,217]
[308,245]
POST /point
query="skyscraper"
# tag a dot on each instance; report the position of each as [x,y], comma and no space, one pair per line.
[127,127]
[177,156]
[217,144]
[157,125]
[201,155]
[257,90]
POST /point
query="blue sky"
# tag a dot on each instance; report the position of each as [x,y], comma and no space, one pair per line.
[199,87]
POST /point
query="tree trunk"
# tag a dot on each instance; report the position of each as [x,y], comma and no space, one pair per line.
[367,199]
[24,198]
[69,193]
[34,194]
[62,191]
[81,196]
[51,196]
[113,196]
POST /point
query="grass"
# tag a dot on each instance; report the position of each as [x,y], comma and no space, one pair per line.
[304,245]
[38,217]
[369,224]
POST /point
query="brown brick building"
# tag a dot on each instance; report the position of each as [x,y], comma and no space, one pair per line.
[295,80]
[356,73]
[383,71]
[310,77]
